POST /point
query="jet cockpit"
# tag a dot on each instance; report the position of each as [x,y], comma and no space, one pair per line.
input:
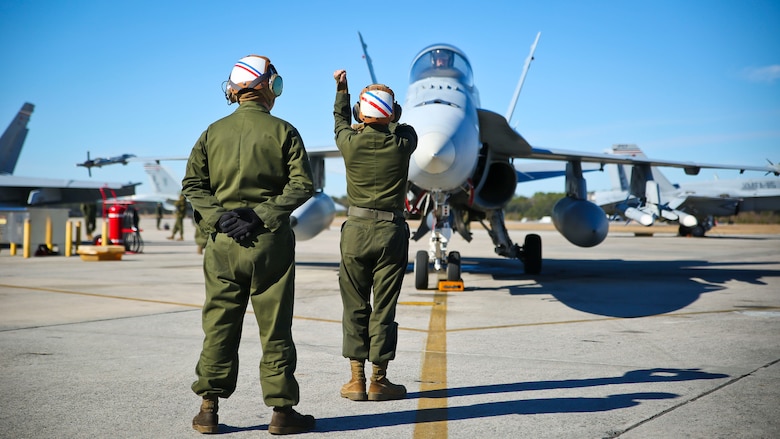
[441,60]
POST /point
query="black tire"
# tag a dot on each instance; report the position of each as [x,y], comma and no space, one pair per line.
[421,270]
[698,231]
[133,242]
[453,266]
[532,254]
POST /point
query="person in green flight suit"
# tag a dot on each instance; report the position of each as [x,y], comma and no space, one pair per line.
[181,210]
[375,236]
[89,210]
[200,238]
[245,175]
[159,214]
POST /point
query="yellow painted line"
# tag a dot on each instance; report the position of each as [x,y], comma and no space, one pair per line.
[418,303]
[104,296]
[431,419]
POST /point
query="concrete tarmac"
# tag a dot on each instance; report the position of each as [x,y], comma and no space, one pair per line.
[639,337]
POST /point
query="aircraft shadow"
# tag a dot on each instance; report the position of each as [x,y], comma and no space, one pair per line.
[620,288]
[517,406]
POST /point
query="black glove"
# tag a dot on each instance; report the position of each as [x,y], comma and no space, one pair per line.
[246,223]
[227,221]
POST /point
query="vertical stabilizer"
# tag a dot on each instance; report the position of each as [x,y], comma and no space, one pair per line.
[633,150]
[162,181]
[13,138]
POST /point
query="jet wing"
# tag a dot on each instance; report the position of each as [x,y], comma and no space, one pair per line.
[709,205]
[21,191]
[505,143]
[539,170]
[691,168]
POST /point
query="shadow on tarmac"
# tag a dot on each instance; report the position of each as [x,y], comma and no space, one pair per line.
[620,288]
[518,407]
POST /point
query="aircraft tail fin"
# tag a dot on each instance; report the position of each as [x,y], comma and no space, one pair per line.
[163,183]
[13,139]
[368,59]
[633,150]
[519,86]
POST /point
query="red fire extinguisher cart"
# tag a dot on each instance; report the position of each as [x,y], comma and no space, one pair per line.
[122,218]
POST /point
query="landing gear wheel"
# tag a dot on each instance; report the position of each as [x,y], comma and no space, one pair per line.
[421,270]
[453,266]
[698,231]
[532,254]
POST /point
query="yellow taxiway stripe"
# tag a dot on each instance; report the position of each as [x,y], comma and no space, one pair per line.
[431,419]
[105,296]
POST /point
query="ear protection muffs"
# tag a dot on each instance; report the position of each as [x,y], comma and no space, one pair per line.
[396,112]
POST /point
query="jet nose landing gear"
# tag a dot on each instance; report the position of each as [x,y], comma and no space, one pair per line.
[449,275]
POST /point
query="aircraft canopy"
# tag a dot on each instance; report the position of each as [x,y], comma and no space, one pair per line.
[441,60]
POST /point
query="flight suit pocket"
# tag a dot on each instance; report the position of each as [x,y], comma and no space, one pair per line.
[354,238]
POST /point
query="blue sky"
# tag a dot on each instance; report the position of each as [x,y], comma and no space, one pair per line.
[693,80]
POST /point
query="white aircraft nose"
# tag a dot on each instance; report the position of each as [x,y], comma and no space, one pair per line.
[435,153]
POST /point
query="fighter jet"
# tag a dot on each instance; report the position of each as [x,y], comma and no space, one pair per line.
[645,195]
[464,167]
[101,161]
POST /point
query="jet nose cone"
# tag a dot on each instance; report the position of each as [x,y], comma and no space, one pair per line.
[435,153]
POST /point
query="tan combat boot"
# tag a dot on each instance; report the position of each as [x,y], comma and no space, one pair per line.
[207,420]
[355,389]
[381,389]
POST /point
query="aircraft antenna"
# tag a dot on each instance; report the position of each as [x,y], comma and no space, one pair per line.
[527,65]
[368,59]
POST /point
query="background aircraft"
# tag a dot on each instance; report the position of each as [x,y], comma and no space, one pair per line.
[165,187]
[463,169]
[16,191]
[644,194]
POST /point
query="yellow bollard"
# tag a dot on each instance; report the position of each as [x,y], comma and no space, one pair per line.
[68,237]
[27,237]
[48,233]
[104,238]
[13,249]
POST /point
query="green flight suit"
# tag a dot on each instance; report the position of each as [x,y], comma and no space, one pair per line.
[374,252]
[249,159]
[181,210]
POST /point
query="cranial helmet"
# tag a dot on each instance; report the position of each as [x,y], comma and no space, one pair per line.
[377,105]
[253,72]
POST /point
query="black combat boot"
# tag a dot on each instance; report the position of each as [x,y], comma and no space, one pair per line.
[285,420]
[207,420]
